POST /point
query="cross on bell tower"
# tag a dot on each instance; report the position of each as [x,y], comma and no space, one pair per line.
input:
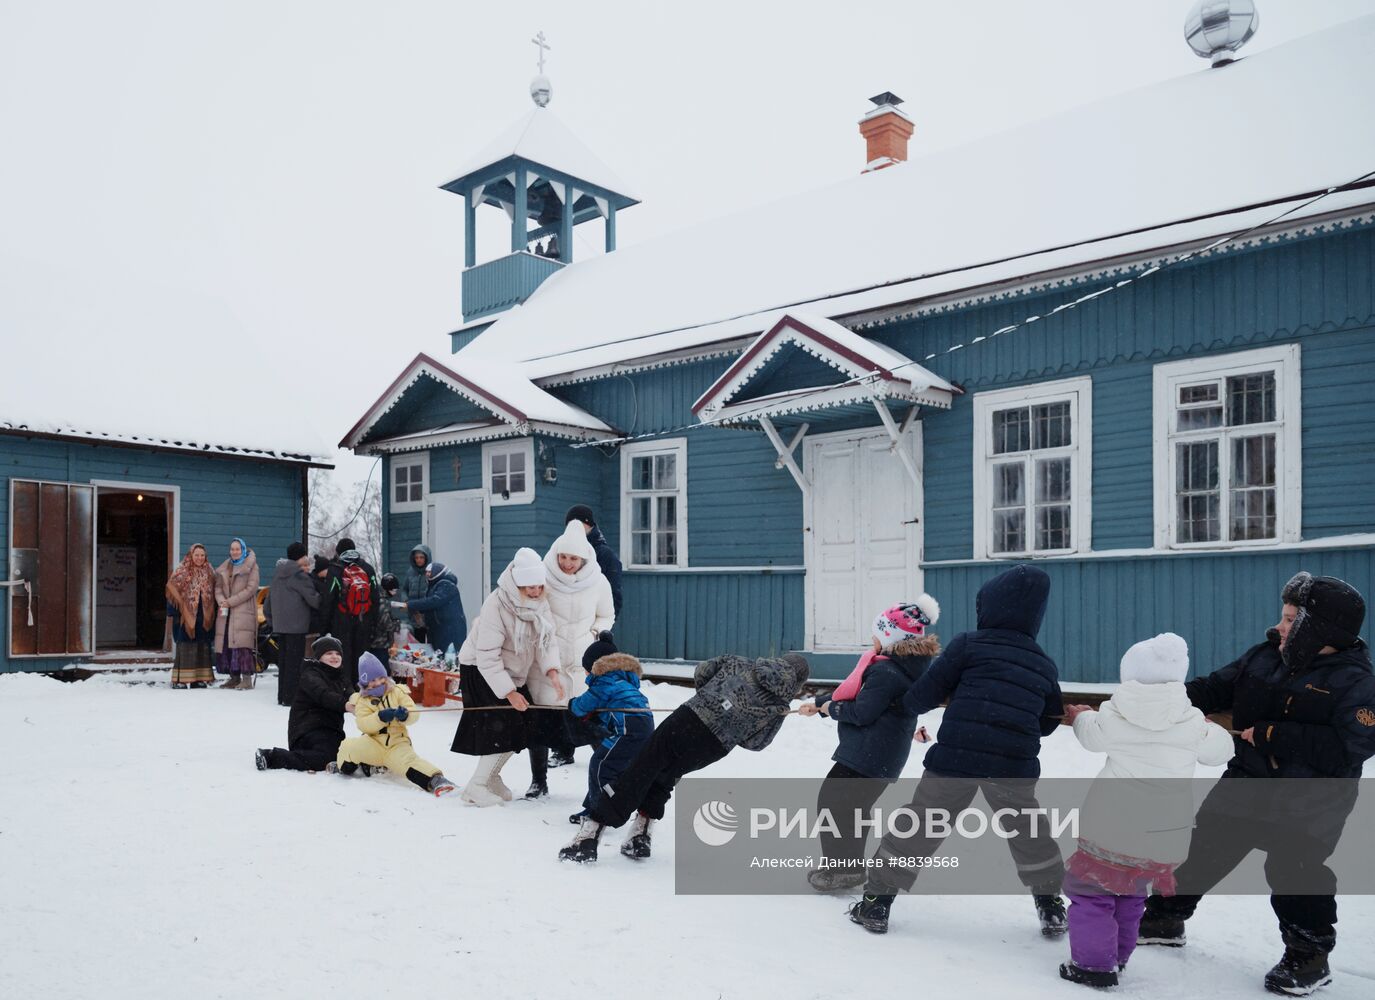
[539,173]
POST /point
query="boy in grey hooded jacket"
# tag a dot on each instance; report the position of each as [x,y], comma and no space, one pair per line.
[739,702]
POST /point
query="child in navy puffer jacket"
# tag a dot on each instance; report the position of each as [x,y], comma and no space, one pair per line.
[875,731]
[613,685]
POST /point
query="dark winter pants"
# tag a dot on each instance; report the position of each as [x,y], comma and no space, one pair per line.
[1221,841]
[353,635]
[681,744]
[1102,927]
[613,755]
[1037,856]
[291,650]
[846,795]
[309,752]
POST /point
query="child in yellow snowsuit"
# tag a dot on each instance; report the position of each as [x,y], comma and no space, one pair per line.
[382,710]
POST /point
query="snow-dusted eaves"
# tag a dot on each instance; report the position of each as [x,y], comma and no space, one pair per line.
[517,407]
[60,429]
[864,370]
[540,137]
[1207,154]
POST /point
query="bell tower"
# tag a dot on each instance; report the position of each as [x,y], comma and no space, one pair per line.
[547,182]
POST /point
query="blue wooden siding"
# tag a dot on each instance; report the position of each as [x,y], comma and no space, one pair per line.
[424,405]
[220,498]
[1221,603]
[504,282]
[694,616]
[403,534]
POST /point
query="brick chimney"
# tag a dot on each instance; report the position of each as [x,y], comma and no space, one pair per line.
[886,131]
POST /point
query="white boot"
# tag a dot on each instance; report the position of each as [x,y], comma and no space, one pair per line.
[494,783]
[583,847]
[637,842]
[476,792]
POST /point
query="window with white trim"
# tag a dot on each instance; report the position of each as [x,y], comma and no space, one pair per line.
[508,471]
[408,481]
[1032,469]
[1227,449]
[654,504]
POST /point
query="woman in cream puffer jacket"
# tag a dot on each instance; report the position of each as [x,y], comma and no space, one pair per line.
[582,606]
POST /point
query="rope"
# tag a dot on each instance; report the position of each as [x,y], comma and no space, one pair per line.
[556,708]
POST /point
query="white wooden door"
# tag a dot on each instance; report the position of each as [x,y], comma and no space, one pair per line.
[455,532]
[863,534]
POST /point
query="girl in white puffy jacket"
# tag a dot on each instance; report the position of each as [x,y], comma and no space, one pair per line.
[1137,819]
[582,607]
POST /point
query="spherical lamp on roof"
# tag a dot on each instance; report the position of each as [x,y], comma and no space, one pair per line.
[541,90]
[1215,29]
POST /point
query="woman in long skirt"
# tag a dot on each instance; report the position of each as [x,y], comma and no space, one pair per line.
[236,627]
[513,636]
[191,605]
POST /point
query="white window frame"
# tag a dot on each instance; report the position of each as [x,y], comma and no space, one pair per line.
[520,446]
[1284,362]
[677,446]
[1078,392]
[408,460]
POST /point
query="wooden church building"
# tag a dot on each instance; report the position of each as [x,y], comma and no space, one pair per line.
[1130,343]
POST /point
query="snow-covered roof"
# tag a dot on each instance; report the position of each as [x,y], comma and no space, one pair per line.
[857,361]
[1188,159]
[539,136]
[516,405]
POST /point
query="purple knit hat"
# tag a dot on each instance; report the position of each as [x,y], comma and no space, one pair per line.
[370,671]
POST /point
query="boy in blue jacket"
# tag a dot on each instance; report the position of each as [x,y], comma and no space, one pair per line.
[1004,696]
[613,686]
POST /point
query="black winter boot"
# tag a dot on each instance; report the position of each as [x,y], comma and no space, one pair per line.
[1298,973]
[834,879]
[537,790]
[560,758]
[637,844]
[871,912]
[1161,929]
[260,759]
[583,847]
[1088,977]
[1050,908]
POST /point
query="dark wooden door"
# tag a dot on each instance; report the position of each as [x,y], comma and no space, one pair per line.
[52,545]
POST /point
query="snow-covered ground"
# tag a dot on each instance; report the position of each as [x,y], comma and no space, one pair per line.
[146,857]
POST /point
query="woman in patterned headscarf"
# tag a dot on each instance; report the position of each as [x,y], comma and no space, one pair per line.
[191,606]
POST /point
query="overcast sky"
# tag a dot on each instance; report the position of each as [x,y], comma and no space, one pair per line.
[253,186]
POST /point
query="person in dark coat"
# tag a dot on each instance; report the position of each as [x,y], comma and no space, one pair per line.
[315,727]
[292,597]
[415,585]
[320,617]
[443,609]
[1004,695]
[739,702]
[353,611]
[606,555]
[875,730]
[1304,703]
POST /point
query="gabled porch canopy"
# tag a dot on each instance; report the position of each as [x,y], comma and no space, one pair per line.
[429,405]
[809,370]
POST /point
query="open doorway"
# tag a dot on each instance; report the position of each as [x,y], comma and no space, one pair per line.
[133,557]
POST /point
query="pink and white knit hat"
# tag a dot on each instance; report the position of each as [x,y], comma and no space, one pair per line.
[906,621]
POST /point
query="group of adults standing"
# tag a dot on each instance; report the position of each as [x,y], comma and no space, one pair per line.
[214,616]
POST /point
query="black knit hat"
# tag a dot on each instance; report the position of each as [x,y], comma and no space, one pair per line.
[580,512]
[343,545]
[604,645]
[325,644]
[295,551]
[321,564]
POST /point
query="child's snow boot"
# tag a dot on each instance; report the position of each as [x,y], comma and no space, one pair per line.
[1298,973]
[439,785]
[1088,977]
[494,783]
[260,759]
[577,818]
[477,791]
[871,912]
[1050,908]
[1162,929]
[583,847]
[560,758]
[834,879]
[637,844]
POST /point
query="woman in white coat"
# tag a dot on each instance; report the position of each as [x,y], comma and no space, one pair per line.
[512,643]
[581,603]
